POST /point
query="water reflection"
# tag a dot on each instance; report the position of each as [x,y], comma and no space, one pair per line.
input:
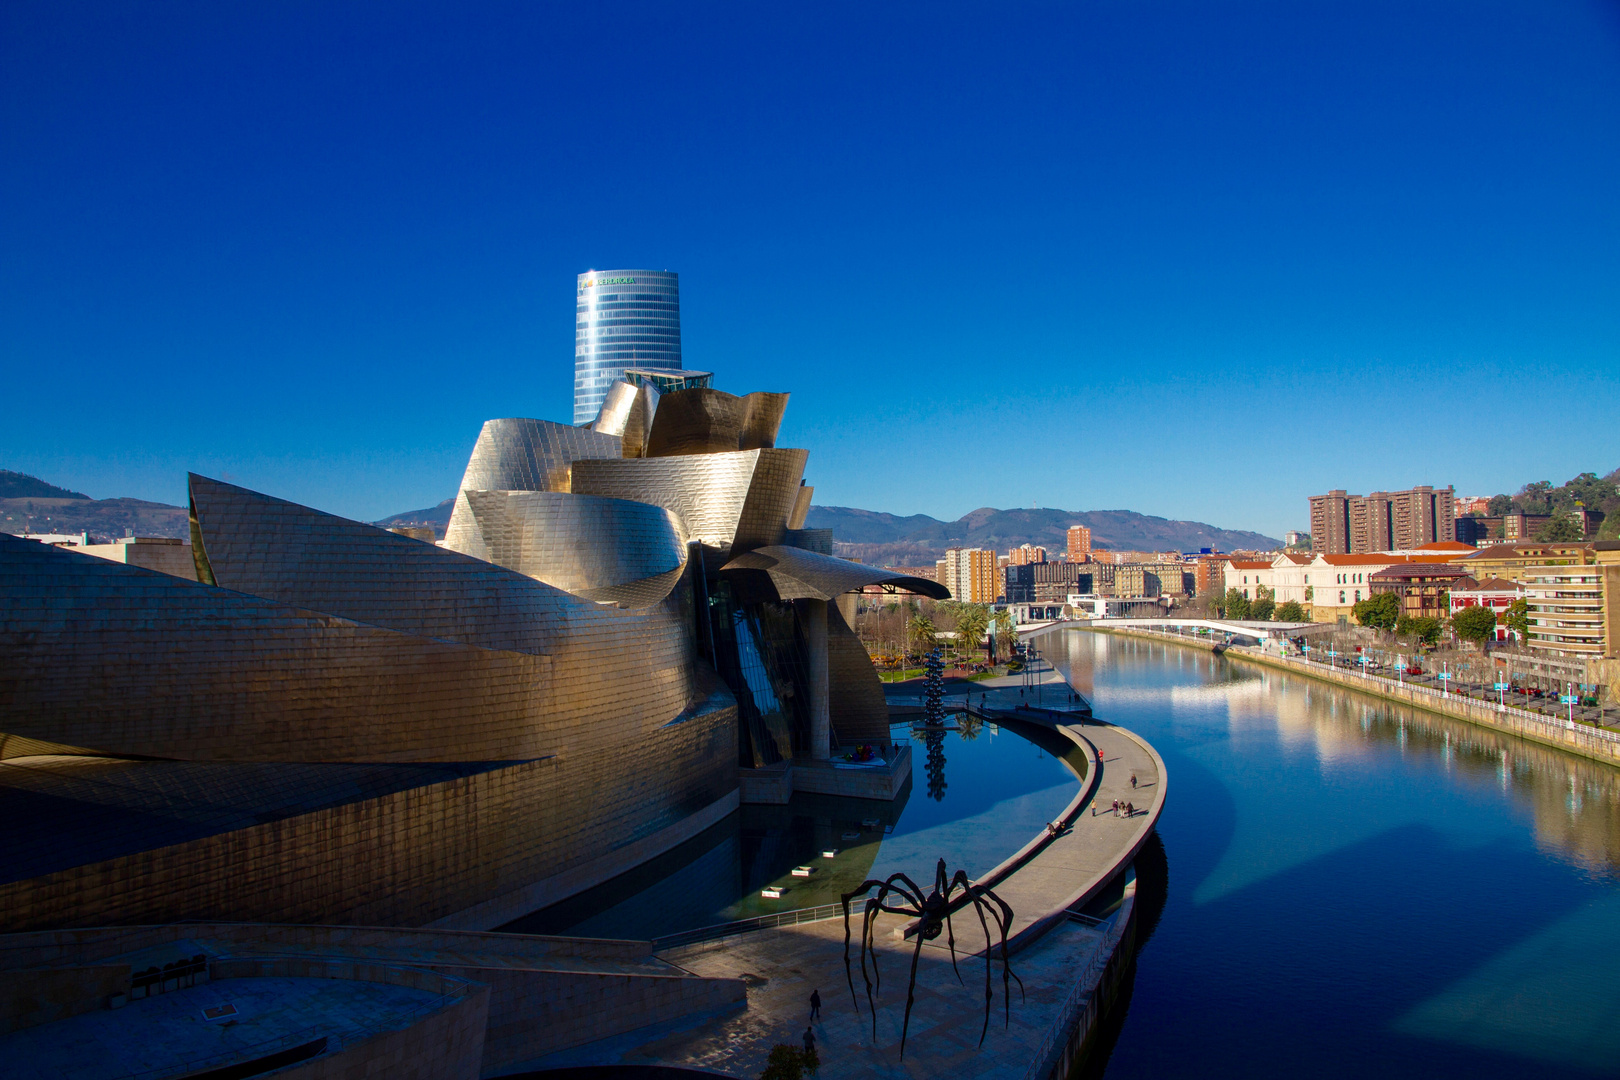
[1005,786]
[935,743]
[1361,887]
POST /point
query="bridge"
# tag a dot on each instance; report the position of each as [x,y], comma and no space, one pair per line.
[1237,628]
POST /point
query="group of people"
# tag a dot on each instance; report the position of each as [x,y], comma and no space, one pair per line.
[1123,809]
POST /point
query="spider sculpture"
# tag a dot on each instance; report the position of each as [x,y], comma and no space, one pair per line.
[933,911]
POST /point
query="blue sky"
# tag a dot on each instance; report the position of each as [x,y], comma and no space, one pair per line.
[1198,260]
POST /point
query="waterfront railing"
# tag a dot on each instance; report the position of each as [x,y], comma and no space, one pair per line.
[748,926]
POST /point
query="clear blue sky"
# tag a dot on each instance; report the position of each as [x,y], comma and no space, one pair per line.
[1194,259]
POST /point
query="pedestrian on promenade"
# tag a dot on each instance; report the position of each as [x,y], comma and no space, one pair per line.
[809,1041]
[1133,781]
[815,1004]
[1116,808]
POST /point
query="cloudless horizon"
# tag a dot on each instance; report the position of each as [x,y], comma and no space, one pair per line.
[1200,261]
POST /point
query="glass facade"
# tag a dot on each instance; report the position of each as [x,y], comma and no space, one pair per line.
[760,653]
[622,319]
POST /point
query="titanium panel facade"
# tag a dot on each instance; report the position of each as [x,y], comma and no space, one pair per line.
[708,421]
[622,319]
[520,454]
[800,574]
[727,501]
[602,549]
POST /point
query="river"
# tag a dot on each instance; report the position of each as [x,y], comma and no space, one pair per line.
[1344,887]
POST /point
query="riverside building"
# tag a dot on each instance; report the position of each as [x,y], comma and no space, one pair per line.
[1343,524]
[622,319]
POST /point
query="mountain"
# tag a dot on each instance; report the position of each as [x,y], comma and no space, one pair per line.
[436,516]
[103,519]
[918,540]
[16,485]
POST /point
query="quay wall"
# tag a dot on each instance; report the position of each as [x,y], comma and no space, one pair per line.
[1580,739]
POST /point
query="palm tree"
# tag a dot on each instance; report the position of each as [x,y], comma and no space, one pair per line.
[922,632]
[972,620]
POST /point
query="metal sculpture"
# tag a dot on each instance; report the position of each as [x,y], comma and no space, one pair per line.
[933,912]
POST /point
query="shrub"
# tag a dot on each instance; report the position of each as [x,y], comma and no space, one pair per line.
[1291,611]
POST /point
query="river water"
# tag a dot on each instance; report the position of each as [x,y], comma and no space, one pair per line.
[1348,888]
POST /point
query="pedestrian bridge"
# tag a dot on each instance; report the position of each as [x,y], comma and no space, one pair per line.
[1221,628]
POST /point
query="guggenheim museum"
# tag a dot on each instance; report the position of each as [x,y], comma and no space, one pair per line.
[336,723]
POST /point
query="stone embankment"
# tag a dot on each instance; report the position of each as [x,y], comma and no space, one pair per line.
[1590,742]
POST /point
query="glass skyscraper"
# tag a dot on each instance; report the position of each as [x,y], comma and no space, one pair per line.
[623,319]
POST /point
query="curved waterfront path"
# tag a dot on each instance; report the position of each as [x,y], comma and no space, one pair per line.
[1054,954]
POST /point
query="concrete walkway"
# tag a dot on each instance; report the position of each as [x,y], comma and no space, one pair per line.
[781,967]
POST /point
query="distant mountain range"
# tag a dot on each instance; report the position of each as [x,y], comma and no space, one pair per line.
[436,516]
[29,504]
[917,540]
[16,485]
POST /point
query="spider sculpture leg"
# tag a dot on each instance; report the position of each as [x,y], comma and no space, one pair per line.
[906,888]
[911,992]
[978,909]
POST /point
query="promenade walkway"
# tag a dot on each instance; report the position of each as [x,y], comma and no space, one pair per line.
[1058,957]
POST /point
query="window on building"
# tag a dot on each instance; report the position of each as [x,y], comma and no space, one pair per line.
[1341,596]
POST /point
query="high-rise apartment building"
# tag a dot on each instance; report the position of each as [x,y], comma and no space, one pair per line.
[970,574]
[1025,554]
[1344,524]
[622,319]
[1079,543]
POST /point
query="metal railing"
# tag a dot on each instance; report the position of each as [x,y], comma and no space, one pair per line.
[748,926]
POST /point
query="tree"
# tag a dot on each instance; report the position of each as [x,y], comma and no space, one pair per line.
[1423,628]
[788,1062]
[1559,529]
[922,632]
[1499,505]
[1476,624]
[972,621]
[1291,611]
[1518,619]
[1381,611]
[1534,498]
[1262,609]
[1237,605]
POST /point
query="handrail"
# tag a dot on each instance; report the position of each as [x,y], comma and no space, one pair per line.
[1540,719]
[748,926]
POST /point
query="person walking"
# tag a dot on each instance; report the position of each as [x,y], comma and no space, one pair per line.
[815,1004]
[1133,781]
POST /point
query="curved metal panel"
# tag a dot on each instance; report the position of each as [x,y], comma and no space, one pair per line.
[703,420]
[799,574]
[771,497]
[707,492]
[519,454]
[859,711]
[595,547]
[762,418]
[700,420]
[615,411]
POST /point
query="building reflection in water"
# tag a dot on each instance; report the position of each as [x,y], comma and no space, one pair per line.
[1573,802]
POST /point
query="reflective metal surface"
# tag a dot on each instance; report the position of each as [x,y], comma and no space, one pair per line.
[708,421]
[797,573]
[603,549]
[520,454]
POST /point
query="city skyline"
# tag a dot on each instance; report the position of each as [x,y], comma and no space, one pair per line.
[311,251]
